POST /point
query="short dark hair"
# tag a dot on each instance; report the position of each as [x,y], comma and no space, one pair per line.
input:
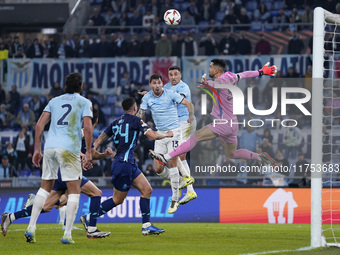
[155,76]
[128,103]
[219,62]
[73,83]
[174,68]
[95,115]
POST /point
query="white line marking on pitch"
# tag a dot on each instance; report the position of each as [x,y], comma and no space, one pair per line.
[26,229]
[269,252]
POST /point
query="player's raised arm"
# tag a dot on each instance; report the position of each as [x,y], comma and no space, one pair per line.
[143,93]
[143,107]
[265,70]
[141,114]
[190,107]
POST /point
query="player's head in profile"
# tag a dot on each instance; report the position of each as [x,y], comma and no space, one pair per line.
[73,83]
[217,66]
[174,74]
[129,105]
[156,84]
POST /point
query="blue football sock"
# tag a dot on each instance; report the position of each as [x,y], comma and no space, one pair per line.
[26,212]
[106,206]
[94,206]
[144,204]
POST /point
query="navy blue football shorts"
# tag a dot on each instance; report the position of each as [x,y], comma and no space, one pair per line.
[60,185]
[123,174]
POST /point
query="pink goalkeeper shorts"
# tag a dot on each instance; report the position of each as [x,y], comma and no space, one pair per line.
[227,133]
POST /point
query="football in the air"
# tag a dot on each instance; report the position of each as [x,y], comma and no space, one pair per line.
[172,17]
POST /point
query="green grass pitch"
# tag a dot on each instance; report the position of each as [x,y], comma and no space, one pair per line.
[179,238]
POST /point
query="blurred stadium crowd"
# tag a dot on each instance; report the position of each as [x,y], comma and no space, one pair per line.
[136,28]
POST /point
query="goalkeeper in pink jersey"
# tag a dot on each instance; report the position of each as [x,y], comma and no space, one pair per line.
[224,110]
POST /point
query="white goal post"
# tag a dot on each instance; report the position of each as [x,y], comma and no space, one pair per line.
[323,20]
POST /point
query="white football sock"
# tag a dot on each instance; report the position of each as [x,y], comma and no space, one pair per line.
[182,168]
[146,225]
[174,179]
[165,174]
[38,204]
[167,156]
[71,210]
[91,229]
[190,188]
[12,217]
[62,212]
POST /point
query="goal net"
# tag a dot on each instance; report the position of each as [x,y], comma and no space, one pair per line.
[325,161]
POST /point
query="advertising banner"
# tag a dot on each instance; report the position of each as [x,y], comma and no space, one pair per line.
[103,75]
[206,209]
[226,205]
[276,206]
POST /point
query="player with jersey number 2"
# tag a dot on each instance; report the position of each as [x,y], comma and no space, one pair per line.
[62,150]
[59,197]
[224,110]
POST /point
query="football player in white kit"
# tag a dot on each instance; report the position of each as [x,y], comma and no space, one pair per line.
[163,105]
[177,85]
[62,149]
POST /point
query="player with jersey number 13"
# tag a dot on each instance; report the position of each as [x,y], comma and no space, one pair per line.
[224,110]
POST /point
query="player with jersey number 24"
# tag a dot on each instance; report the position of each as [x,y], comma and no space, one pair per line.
[125,172]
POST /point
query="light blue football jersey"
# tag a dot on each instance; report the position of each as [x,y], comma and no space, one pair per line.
[163,108]
[67,112]
[183,89]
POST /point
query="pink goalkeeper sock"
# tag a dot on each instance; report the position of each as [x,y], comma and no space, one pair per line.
[245,154]
[184,147]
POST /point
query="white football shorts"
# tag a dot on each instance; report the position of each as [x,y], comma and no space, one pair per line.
[168,144]
[187,129]
[68,162]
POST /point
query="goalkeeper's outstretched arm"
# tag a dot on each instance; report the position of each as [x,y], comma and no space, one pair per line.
[265,70]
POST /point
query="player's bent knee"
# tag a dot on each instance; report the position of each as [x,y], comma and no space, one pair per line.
[118,201]
[173,162]
[159,169]
[146,192]
[98,193]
